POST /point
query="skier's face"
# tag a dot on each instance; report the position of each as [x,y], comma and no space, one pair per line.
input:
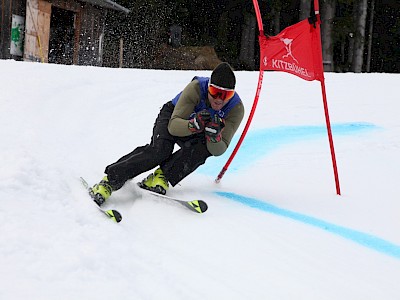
[216,103]
[219,96]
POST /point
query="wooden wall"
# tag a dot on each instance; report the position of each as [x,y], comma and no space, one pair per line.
[37,30]
[88,35]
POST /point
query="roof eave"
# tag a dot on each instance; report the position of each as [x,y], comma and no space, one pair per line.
[108,4]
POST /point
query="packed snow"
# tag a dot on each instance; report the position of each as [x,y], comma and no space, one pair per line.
[275,227]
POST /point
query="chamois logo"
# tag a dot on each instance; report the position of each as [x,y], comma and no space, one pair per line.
[288,46]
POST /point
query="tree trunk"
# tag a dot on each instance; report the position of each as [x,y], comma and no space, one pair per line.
[246,56]
[304,8]
[359,35]
[371,29]
[276,22]
[327,15]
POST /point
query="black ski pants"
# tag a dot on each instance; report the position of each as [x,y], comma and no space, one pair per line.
[175,165]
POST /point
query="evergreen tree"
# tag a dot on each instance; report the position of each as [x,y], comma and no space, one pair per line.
[227,25]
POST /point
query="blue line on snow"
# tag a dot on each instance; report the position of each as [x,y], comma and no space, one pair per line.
[361,238]
[261,142]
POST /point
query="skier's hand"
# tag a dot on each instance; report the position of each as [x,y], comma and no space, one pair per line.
[199,121]
[213,129]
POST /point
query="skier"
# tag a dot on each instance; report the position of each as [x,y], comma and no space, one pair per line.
[201,120]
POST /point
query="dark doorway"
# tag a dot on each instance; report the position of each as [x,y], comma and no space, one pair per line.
[62,32]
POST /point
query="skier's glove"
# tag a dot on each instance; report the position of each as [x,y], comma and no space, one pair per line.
[213,129]
[199,121]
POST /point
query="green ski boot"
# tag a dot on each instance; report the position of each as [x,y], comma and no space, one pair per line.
[101,191]
[155,182]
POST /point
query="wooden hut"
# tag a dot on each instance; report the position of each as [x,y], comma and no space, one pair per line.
[54,31]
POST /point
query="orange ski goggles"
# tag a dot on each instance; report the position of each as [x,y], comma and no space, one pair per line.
[220,92]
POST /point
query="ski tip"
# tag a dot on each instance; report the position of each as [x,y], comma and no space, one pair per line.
[84,182]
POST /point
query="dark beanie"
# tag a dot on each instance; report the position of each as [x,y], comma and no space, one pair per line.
[223,76]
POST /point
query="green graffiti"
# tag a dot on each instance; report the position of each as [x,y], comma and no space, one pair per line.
[16,34]
[17,37]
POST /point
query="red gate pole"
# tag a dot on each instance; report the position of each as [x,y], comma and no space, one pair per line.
[255,102]
[324,99]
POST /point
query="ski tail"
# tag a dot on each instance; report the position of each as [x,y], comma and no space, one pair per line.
[198,206]
[111,213]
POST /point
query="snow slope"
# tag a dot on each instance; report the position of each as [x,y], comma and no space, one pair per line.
[275,228]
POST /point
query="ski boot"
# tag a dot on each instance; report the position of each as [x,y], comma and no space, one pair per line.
[155,182]
[101,191]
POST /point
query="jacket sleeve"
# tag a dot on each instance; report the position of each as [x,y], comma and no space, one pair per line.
[179,122]
[232,122]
